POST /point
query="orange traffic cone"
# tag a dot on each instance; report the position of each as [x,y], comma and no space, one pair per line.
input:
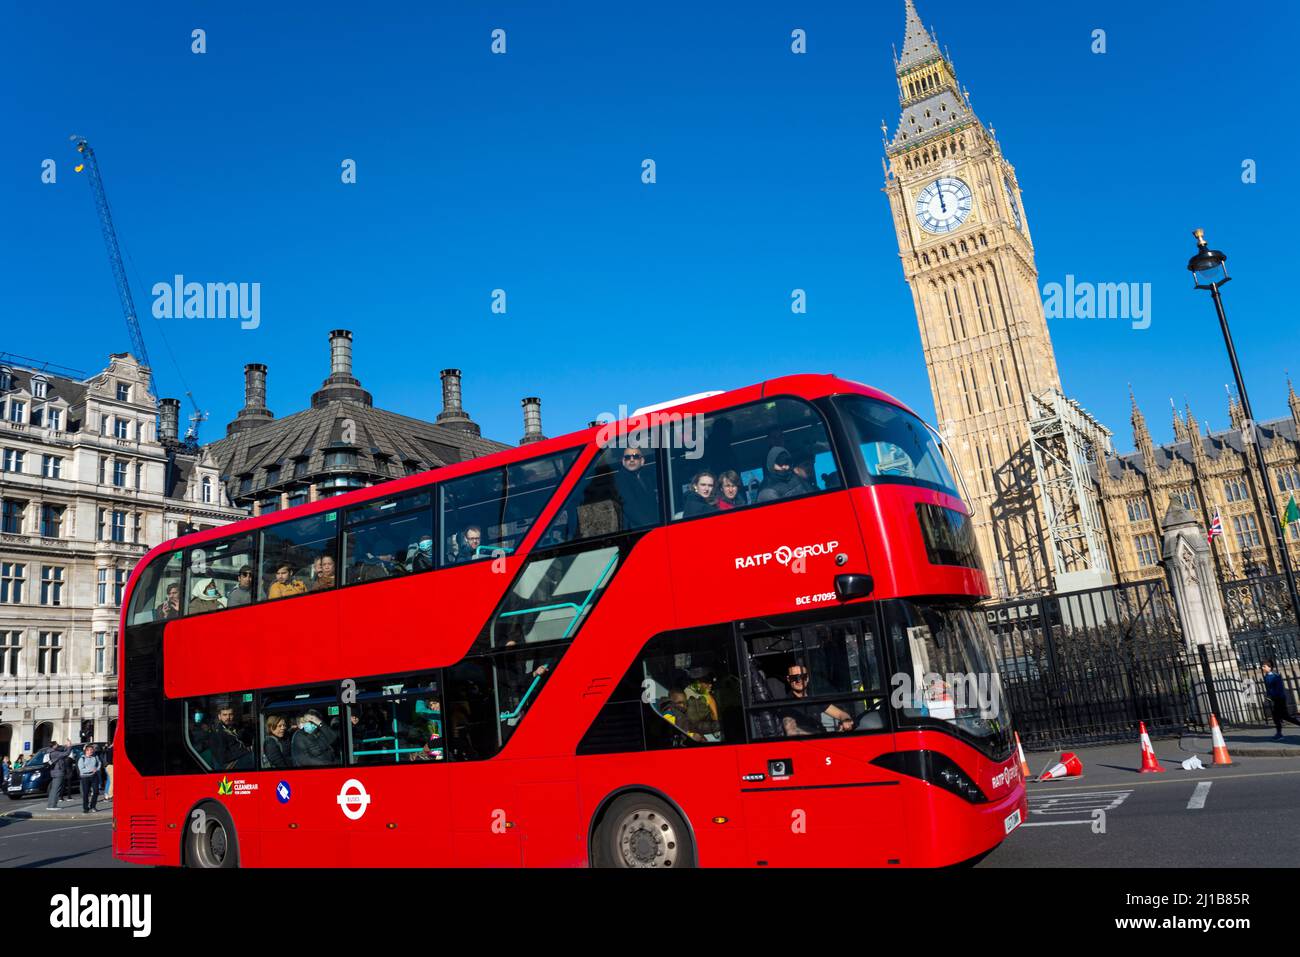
[1149,762]
[1020,753]
[1220,749]
[1068,767]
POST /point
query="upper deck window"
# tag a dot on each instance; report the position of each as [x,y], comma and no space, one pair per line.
[298,556]
[892,445]
[490,512]
[157,594]
[221,575]
[759,453]
[389,536]
[618,493]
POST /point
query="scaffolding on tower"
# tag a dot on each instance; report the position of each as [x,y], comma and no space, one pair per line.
[1066,443]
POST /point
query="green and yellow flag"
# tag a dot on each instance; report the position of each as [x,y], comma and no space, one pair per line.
[1292,513]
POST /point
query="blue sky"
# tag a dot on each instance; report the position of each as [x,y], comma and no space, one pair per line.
[523,172]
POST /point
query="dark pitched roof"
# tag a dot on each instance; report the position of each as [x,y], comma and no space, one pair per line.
[1214,444]
[383,440]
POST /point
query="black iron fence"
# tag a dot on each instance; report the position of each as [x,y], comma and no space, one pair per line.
[1086,668]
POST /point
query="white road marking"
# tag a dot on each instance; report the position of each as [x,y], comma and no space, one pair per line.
[1080,803]
[1224,775]
[75,827]
[1051,823]
[1199,795]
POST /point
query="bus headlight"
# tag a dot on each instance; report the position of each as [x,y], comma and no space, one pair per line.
[934,768]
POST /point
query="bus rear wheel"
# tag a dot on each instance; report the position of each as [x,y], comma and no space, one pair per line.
[641,830]
[210,838]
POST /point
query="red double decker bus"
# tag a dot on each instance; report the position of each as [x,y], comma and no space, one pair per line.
[738,629]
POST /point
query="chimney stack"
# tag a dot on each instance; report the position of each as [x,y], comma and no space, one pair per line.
[532,420]
[453,413]
[254,412]
[341,385]
[255,387]
[169,420]
[341,355]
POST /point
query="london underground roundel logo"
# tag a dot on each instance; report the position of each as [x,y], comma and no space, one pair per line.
[353,799]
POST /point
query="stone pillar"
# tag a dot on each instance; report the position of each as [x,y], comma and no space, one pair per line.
[1189,569]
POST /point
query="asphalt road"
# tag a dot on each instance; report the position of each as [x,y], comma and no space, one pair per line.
[1245,815]
[30,843]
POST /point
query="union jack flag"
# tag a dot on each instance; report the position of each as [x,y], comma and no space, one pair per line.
[1216,526]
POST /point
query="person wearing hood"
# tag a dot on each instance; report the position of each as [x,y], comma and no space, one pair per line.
[780,480]
[699,500]
[205,596]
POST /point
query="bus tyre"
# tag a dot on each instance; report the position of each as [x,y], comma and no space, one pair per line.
[641,830]
[210,840]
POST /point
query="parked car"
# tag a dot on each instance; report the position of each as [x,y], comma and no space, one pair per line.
[33,778]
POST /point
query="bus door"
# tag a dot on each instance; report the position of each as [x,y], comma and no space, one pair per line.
[817,712]
[301,800]
[399,760]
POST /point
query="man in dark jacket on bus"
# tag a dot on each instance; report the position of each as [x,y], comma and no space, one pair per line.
[638,492]
[57,759]
[313,742]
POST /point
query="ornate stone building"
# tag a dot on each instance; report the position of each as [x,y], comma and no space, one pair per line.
[342,442]
[968,254]
[1203,471]
[91,479]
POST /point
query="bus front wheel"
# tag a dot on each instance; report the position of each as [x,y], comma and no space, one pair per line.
[641,830]
[210,838]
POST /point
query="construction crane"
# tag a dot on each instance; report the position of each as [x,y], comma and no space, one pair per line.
[119,276]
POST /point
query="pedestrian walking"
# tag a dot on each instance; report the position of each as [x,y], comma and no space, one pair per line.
[88,767]
[5,770]
[57,759]
[1276,691]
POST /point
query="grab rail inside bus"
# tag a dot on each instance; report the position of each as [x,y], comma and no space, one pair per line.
[578,608]
[512,716]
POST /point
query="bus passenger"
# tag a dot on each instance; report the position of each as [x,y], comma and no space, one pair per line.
[805,471]
[419,557]
[699,500]
[171,606]
[806,719]
[226,744]
[673,709]
[780,481]
[732,491]
[313,742]
[242,593]
[637,491]
[285,584]
[275,745]
[324,574]
[205,597]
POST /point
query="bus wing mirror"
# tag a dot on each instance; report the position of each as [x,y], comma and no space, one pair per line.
[848,587]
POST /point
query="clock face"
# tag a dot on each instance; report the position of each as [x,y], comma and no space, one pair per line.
[1011,198]
[943,205]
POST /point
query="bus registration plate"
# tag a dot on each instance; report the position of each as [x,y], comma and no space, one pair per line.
[1012,821]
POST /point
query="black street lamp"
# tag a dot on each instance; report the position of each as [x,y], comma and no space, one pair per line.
[1209,269]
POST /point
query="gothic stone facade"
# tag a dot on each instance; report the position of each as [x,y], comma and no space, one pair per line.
[1203,471]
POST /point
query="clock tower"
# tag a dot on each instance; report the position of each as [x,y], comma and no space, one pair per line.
[968,254]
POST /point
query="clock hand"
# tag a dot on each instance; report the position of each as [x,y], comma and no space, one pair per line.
[942,205]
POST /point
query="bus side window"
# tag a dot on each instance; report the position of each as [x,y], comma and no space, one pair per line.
[618,493]
[755,454]
[395,721]
[298,556]
[157,594]
[313,728]
[219,731]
